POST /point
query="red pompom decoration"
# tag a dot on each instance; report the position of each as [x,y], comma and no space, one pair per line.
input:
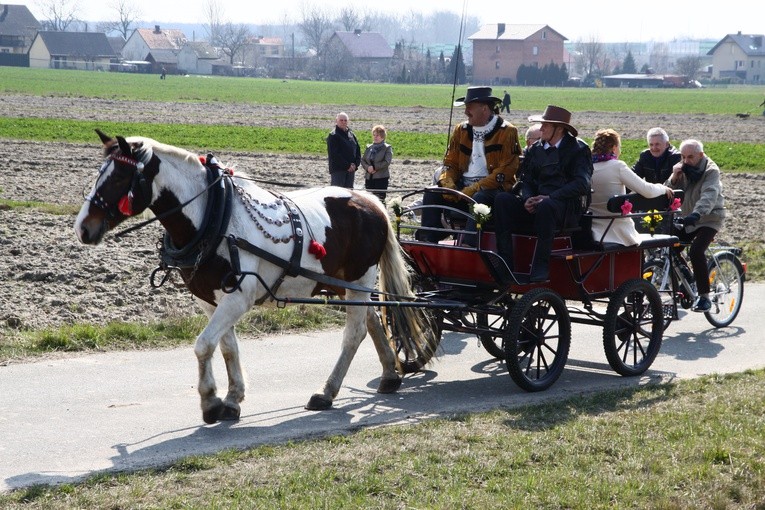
[317,249]
[125,205]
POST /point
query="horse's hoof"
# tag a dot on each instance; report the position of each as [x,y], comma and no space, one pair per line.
[389,385]
[318,403]
[229,413]
[213,414]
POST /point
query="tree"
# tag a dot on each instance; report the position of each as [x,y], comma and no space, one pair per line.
[232,39]
[688,66]
[628,66]
[58,14]
[351,20]
[315,26]
[456,67]
[591,56]
[213,13]
[127,14]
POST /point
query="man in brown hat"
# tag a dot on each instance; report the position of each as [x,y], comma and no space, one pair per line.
[555,183]
[481,160]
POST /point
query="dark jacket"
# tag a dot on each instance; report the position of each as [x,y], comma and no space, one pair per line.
[342,150]
[563,173]
[656,169]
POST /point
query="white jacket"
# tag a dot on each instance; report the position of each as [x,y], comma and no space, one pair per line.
[611,178]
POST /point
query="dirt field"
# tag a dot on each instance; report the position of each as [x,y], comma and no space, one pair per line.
[49,278]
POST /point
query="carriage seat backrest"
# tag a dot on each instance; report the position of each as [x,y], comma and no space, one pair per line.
[640,203]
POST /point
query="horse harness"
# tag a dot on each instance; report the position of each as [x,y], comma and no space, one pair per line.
[214,224]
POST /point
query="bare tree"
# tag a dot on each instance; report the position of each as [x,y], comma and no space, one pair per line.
[232,39]
[591,56]
[350,20]
[58,14]
[688,66]
[315,26]
[213,13]
[127,14]
[659,57]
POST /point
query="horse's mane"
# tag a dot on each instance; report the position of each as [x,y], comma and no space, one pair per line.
[163,148]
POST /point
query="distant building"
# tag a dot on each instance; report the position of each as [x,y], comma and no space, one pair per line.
[17,31]
[499,49]
[71,50]
[357,54]
[200,57]
[159,47]
[648,81]
[740,57]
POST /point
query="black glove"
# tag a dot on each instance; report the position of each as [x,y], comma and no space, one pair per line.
[691,219]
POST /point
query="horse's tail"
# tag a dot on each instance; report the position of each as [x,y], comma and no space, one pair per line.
[411,330]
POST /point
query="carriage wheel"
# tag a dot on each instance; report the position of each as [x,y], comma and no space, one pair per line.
[537,340]
[633,327]
[490,341]
[659,273]
[726,282]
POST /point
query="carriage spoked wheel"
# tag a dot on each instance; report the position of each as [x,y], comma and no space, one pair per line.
[633,327]
[490,341]
[537,339]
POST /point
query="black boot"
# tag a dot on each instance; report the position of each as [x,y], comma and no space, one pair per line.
[540,269]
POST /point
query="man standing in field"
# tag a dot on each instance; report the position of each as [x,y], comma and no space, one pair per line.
[344,153]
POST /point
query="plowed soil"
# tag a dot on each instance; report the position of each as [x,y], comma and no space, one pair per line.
[47,278]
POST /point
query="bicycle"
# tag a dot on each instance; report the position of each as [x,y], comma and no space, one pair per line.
[669,271]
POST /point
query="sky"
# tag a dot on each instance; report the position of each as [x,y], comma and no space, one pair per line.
[585,20]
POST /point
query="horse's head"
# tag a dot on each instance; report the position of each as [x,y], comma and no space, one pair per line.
[122,188]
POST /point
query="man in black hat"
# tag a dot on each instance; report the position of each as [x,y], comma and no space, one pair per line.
[555,183]
[481,160]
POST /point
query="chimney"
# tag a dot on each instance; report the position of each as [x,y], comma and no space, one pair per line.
[157,30]
[500,29]
[357,32]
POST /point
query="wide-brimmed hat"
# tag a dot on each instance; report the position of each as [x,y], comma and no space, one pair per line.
[477,95]
[556,115]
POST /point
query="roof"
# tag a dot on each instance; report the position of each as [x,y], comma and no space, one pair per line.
[365,44]
[162,56]
[159,39]
[202,50]
[750,44]
[511,32]
[17,20]
[83,44]
[117,42]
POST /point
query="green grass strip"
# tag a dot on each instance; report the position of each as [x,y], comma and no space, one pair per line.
[743,157]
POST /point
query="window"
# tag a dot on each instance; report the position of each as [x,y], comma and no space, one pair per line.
[496,64]
[544,35]
[498,48]
[535,50]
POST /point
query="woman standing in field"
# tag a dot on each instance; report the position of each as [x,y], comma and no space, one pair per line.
[376,163]
[610,176]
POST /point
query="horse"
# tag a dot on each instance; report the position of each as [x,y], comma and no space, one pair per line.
[237,245]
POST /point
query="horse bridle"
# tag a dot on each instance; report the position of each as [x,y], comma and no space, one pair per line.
[139,188]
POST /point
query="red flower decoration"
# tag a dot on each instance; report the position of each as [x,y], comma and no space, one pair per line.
[626,208]
[125,205]
[675,205]
[317,249]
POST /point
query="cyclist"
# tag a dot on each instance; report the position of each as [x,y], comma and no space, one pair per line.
[703,210]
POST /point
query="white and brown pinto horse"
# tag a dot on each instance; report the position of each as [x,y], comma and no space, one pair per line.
[352,228]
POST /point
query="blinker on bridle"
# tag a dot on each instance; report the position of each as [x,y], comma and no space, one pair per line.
[125,204]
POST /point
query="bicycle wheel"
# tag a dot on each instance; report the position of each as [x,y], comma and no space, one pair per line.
[726,284]
[659,274]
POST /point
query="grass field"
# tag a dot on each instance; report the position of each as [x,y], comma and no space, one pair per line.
[43,82]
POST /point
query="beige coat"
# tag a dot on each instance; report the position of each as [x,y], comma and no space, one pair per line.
[611,178]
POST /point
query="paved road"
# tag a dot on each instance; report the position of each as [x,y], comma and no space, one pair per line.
[61,420]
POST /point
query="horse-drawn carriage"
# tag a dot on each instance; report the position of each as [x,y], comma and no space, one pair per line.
[529,325]
[237,245]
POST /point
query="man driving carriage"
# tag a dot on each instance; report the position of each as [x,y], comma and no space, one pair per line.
[481,160]
[555,181]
